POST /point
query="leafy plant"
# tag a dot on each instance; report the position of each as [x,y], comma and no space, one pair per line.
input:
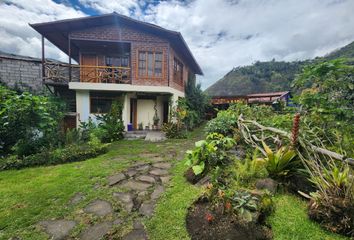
[224,123]
[281,163]
[244,204]
[209,153]
[112,123]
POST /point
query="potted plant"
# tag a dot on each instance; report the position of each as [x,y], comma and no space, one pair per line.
[140,126]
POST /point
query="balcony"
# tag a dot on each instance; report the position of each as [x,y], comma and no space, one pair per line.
[62,74]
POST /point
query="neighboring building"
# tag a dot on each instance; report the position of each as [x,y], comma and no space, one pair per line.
[118,57]
[21,72]
[258,98]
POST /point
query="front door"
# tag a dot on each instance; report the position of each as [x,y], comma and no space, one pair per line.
[88,69]
[133,113]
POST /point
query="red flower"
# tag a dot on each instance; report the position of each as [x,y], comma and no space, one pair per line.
[209,217]
[228,205]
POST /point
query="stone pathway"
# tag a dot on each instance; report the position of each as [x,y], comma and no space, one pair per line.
[136,191]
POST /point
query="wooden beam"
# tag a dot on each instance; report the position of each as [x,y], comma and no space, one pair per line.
[43,59]
[69,53]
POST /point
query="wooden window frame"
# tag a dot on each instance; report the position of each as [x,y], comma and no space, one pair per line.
[146,75]
[177,62]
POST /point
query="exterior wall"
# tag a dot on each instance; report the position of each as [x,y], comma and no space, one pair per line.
[22,73]
[146,111]
[82,106]
[174,54]
[139,41]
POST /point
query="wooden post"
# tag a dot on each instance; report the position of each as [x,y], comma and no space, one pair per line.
[43,59]
[69,52]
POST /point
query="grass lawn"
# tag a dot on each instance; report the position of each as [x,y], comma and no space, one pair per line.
[290,221]
[34,194]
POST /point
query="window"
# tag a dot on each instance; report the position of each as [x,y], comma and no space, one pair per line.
[150,64]
[101,102]
[177,71]
[122,61]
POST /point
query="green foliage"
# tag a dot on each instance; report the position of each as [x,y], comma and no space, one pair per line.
[246,171]
[327,95]
[244,204]
[281,163]
[70,153]
[224,123]
[209,153]
[260,77]
[196,102]
[175,127]
[28,122]
[111,124]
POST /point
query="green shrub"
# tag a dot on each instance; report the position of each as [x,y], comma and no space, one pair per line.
[70,153]
[112,123]
[28,122]
[223,124]
[173,130]
[209,153]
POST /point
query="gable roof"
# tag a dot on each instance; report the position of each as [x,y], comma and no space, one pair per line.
[57,33]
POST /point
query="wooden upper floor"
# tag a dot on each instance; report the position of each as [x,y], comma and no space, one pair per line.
[113,48]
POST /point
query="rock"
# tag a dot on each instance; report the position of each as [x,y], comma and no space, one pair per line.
[146,178]
[147,209]
[155,136]
[114,179]
[159,172]
[118,221]
[96,232]
[143,168]
[142,194]
[157,192]
[136,234]
[163,165]
[131,172]
[138,225]
[204,181]
[99,207]
[135,185]
[267,184]
[126,199]
[78,197]
[58,229]
[165,179]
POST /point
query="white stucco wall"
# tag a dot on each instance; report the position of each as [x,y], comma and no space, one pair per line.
[146,111]
[82,106]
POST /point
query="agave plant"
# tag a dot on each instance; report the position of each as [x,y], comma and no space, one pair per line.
[281,162]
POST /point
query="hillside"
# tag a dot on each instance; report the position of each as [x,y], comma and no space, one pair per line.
[271,76]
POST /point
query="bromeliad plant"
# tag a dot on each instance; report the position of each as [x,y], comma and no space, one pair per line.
[280,163]
[209,153]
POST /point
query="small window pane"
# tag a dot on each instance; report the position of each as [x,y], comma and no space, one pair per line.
[150,60]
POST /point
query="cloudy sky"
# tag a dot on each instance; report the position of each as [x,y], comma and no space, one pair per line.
[222,34]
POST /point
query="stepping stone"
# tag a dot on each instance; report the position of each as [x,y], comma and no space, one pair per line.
[58,229]
[155,136]
[157,192]
[165,179]
[162,165]
[114,179]
[135,185]
[147,209]
[146,178]
[136,234]
[131,172]
[143,168]
[78,197]
[96,232]
[157,159]
[99,207]
[118,221]
[158,172]
[126,199]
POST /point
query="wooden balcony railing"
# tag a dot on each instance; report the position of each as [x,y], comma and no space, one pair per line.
[59,73]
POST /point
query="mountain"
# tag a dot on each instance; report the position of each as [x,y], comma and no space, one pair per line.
[271,76]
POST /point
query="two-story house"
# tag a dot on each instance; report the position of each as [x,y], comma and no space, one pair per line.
[117,57]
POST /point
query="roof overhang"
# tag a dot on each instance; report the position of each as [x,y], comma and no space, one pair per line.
[57,32]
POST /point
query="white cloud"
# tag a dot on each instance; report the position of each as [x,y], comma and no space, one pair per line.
[16,36]
[222,34]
